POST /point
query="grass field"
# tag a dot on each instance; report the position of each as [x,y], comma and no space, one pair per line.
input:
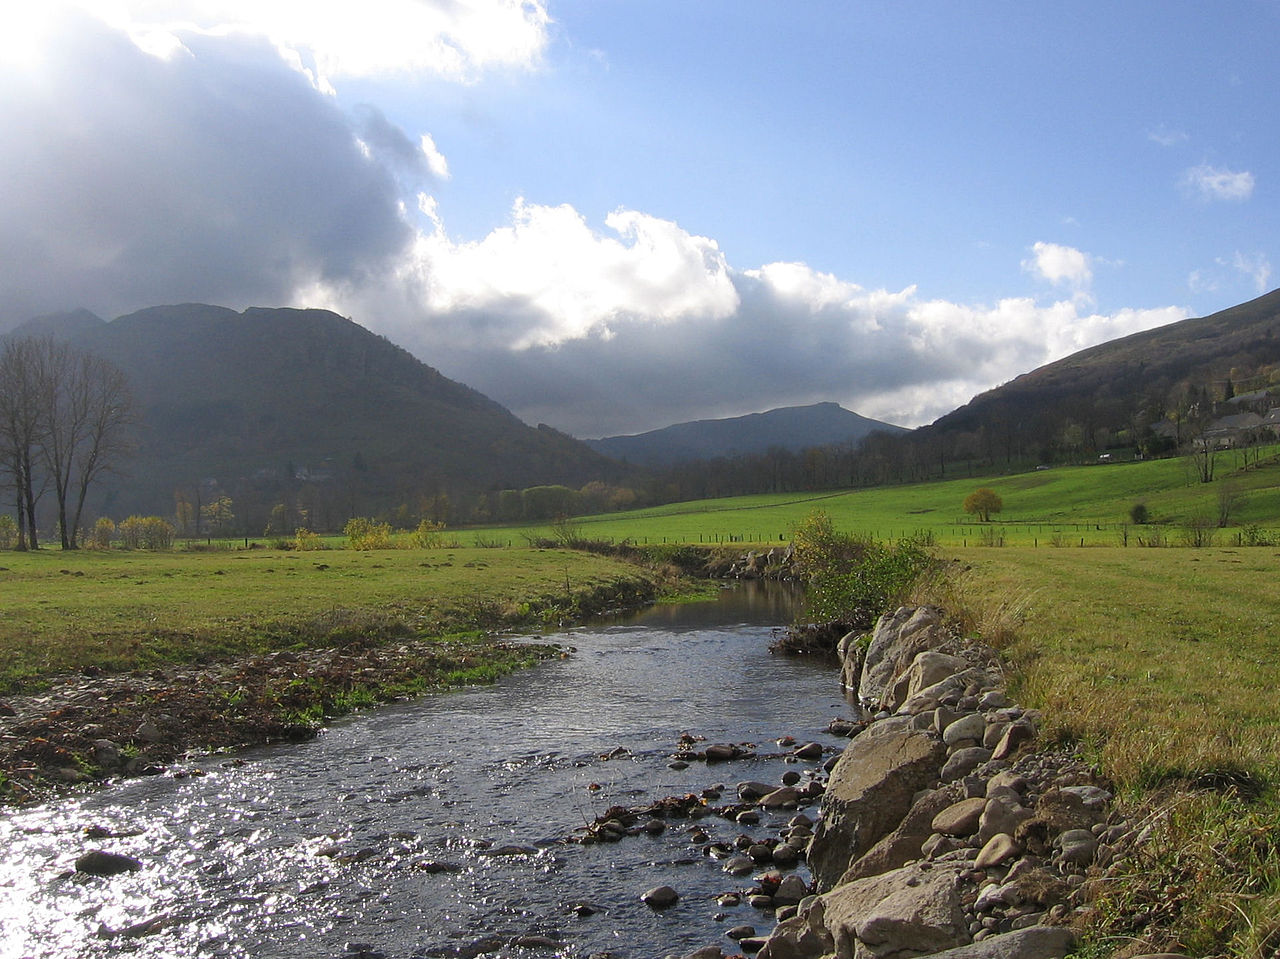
[1063,506]
[122,610]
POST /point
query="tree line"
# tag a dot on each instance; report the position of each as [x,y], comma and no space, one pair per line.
[64,417]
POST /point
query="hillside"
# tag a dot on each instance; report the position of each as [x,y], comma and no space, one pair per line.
[257,405]
[791,428]
[1130,382]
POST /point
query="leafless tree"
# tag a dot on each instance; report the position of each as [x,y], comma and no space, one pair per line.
[64,415]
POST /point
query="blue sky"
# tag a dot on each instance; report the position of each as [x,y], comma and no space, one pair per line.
[611,215]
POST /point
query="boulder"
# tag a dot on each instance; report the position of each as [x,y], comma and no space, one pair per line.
[869,793]
[950,689]
[1036,942]
[962,762]
[804,936]
[898,638]
[1002,814]
[960,819]
[912,910]
[927,669]
[904,843]
[972,727]
[852,651]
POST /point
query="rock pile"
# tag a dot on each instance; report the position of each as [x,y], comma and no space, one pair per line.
[942,831]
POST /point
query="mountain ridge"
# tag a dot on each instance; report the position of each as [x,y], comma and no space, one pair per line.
[790,427]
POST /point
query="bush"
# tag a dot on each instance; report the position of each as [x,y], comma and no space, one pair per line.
[8,531]
[145,532]
[305,540]
[364,533]
[853,579]
[103,530]
[428,535]
[1139,514]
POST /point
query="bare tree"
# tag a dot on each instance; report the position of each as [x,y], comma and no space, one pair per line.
[22,429]
[63,420]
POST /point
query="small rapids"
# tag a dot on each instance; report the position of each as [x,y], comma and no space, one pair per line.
[436,828]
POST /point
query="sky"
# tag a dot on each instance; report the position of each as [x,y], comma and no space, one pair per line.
[614,215]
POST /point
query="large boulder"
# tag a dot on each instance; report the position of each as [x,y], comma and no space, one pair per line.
[868,794]
[898,638]
[928,668]
[912,911]
[903,844]
[1036,942]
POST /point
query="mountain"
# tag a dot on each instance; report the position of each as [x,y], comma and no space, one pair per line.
[1127,384]
[792,428]
[256,405]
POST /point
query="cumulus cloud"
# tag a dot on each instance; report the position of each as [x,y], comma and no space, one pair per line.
[1212,183]
[376,37]
[1060,265]
[640,324]
[219,174]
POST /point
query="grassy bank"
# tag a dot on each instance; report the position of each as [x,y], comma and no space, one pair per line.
[118,611]
[1163,665]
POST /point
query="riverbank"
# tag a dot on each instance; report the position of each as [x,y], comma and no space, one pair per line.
[124,664]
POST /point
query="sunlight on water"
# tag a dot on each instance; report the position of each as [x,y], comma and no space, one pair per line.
[434,828]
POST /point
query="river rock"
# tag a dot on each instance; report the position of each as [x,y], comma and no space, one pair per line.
[660,897]
[790,891]
[960,819]
[996,850]
[750,791]
[949,692]
[962,762]
[780,798]
[897,639]
[1036,942]
[1078,846]
[971,727]
[803,936]
[870,791]
[1014,737]
[912,908]
[927,669]
[904,843]
[100,863]
[720,752]
[1001,814]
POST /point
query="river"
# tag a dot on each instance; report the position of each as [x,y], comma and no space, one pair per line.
[378,837]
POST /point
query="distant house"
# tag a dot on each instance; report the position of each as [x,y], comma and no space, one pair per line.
[1229,432]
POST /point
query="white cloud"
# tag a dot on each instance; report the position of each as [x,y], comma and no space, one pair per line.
[598,334]
[1060,265]
[1256,266]
[436,162]
[1212,183]
[557,279]
[447,38]
[1167,136]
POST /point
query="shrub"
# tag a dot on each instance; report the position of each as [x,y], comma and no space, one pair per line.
[364,533]
[145,532]
[304,540]
[8,531]
[103,530]
[853,579]
[428,535]
[1139,514]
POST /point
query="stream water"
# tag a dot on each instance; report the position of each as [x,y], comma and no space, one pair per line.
[378,837]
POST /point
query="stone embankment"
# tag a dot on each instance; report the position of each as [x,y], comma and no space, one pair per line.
[944,831]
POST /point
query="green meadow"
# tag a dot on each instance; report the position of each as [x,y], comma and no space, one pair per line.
[1061,506]
[120,610]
